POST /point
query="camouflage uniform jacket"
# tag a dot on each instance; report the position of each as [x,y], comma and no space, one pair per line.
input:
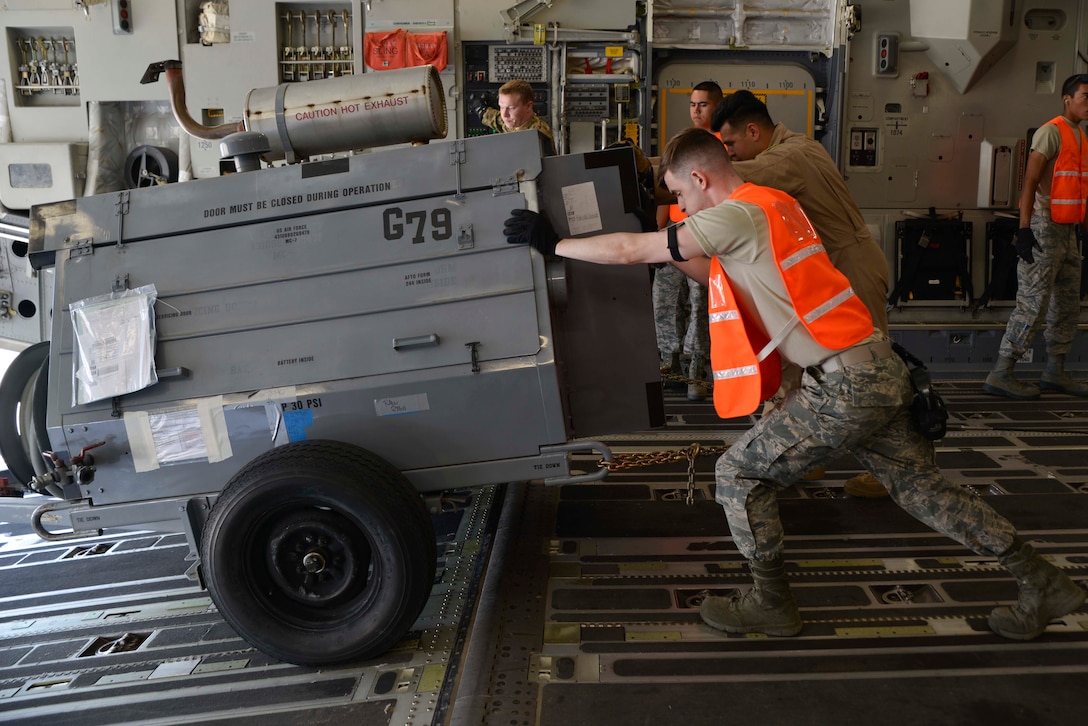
[492,119]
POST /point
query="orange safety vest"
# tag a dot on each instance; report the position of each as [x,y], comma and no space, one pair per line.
[747,369]
[427,48]
[675,215]
[1069,185]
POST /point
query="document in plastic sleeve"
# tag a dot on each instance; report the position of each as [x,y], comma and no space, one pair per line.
[114,344]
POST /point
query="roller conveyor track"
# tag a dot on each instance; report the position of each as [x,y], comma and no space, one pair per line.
[587,609]
[895,615]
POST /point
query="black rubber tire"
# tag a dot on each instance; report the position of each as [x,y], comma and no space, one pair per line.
[158,160]
[38,413]
[14,443]
[351,515]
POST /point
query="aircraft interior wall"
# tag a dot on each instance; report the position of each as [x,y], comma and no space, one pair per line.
[934,142]
[927,106]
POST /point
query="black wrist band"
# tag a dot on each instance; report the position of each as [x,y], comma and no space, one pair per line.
[674,249]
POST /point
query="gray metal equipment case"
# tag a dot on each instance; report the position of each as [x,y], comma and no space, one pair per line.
[328,329]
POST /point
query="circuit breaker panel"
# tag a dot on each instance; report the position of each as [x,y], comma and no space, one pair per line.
[602,99]
[47,71]
[315,42]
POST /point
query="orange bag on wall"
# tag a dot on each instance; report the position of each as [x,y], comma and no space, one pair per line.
[384,51]
[424,48]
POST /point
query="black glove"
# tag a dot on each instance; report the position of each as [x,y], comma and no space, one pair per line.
[483,102]
[1025,240]
[525,227]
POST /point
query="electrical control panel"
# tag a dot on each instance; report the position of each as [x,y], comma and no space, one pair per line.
[315,41]
[121,14]
[485,70]
[587,102]
[511,62]
[45,68]
[886,58]
[862,149]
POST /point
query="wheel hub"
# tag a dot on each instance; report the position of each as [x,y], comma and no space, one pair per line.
[317,557]
[313,562]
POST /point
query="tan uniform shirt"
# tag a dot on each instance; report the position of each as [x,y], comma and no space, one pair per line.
[802,168]
[1047,140]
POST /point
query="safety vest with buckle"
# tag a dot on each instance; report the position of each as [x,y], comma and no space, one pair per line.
[822,298]
[1069,185]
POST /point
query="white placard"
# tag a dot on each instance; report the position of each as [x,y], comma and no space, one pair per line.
[580,204]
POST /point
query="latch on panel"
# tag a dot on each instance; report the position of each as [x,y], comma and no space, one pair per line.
[122,210]
[474,352]
[457,160]
[465,240]
[457,153]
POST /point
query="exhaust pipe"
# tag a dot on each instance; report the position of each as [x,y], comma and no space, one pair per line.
[330,115]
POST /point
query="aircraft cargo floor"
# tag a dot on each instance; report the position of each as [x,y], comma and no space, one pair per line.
[579,605]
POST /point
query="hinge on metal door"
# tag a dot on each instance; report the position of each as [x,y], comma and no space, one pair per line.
[504,185]
[81,248]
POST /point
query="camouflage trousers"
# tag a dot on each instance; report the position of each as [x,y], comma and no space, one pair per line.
[862,408]
[1047,290]
[670,288]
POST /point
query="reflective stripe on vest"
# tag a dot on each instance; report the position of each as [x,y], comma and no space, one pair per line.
[741,380]
[1069,185]
[736,373]
[727,315]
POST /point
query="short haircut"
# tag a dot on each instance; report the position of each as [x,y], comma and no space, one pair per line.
[712,89]
[1069,88]
[693,147]
[739,109]
[517,87]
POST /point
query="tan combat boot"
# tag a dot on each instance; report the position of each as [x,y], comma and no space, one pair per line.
[1055,378]
[1001,382]
[1045,593]
[866,486]
[768,607]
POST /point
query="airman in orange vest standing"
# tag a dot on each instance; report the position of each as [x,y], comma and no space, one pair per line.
[1048,274]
